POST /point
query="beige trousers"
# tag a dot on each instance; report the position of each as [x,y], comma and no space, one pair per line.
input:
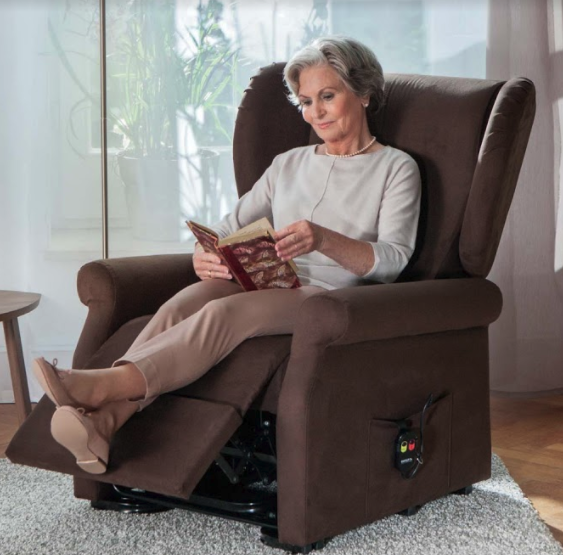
[202,324]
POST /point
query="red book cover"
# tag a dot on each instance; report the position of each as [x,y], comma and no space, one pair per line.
[251,256]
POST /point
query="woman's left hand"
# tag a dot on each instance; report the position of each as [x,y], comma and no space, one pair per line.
[299,238]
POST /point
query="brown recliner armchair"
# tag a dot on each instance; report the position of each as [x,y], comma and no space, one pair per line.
[318,411]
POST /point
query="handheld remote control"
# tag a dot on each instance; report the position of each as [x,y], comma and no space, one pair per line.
[407,450]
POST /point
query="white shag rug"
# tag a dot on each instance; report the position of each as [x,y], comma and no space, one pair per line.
[40,516]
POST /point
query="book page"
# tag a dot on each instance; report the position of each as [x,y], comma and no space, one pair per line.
[259,228]
[209,231]
[262,223]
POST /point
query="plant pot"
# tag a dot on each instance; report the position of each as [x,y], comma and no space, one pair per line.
[152,191]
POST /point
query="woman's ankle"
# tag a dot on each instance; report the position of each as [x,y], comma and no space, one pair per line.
[98,387]
[112,416]
[131,385]
[103,422]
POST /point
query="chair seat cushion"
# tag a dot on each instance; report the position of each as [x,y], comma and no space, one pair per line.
[245,377]
[116,346]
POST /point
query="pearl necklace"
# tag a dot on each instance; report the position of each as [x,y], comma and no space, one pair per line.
[353,153]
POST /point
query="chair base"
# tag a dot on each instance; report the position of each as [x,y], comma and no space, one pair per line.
[411,511]
[464,491]
[127,505]
[132,501]
[257,507]
[269,537]
[216,495]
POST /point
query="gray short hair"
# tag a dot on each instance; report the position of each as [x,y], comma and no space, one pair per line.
[355,63]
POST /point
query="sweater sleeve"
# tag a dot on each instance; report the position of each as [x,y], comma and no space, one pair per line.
[397,223]
[253,205]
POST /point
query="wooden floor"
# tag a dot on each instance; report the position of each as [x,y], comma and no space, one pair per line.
[527,435]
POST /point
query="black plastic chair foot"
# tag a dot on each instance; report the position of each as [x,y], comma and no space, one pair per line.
[125,505]
[269,537]
[411,511]
[464,491]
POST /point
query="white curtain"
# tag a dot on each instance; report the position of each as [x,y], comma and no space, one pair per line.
[526,39]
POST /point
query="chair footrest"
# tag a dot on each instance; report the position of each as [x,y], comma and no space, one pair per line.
[194,433]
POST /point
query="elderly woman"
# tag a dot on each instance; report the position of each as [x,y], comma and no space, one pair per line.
[346,211]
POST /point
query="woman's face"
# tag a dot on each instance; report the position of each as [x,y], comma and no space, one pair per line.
[333,110]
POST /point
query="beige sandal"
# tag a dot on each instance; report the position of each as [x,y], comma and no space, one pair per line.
[72,429]
[51,379]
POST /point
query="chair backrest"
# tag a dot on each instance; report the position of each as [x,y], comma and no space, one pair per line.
[468,137]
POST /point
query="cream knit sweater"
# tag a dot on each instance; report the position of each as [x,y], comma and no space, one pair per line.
[372,197]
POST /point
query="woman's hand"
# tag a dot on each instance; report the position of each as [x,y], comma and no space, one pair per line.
[299,238]
[208,265]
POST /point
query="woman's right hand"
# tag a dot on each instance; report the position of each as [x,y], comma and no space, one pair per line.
[208,265]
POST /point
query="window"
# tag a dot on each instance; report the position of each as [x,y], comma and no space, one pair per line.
[176,73]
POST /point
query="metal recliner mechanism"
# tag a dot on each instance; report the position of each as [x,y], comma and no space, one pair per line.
[240,484]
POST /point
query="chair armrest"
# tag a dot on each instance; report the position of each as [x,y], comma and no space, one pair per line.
[375,312]
[120,289]
[348,367]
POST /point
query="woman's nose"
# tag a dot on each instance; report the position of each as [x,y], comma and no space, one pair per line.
[318,110]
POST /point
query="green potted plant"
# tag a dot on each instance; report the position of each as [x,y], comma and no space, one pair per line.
[168,95]
[169,85]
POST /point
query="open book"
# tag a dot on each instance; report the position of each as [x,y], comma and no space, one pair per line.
[250,255]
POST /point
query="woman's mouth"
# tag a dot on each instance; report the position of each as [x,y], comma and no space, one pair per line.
[324,125]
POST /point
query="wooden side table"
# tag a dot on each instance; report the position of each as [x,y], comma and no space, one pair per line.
[12,305]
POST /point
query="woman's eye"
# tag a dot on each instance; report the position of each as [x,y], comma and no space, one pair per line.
[305,103]
[328,97]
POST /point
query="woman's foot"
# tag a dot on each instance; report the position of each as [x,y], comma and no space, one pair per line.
[76,431]
[89,389]
[56,383]
[88,435]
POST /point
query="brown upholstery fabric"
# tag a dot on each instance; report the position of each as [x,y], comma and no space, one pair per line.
[118,290]
[433,476]
[242,375]
[440,122]
[329,399]
[168,431]
[498,167]
[267,125]
[374,312]
[268,399]
[381,349]
[116,346]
